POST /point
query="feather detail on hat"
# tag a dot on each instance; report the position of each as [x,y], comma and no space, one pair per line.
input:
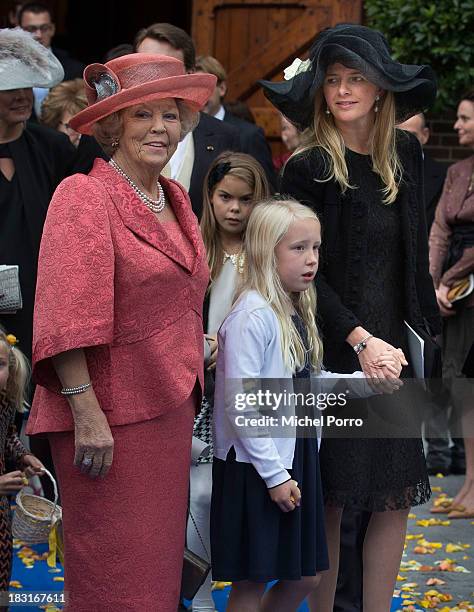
[24,62]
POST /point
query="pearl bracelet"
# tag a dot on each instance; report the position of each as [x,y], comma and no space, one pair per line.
[75,390]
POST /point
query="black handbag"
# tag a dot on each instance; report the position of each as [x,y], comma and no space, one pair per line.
[195,569]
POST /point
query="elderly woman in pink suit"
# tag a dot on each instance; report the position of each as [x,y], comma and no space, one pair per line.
[117,351]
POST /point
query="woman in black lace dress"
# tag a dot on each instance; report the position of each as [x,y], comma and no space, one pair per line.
[364,179]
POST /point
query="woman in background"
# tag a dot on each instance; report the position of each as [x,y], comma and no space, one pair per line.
[61,104]
[451,262]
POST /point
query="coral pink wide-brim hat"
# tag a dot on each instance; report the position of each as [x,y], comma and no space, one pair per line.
[137,78]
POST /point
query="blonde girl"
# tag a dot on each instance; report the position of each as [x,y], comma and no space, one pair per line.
[267,508]
[234,183]
[14,375]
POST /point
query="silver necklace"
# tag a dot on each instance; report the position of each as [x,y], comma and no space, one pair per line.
[155,206]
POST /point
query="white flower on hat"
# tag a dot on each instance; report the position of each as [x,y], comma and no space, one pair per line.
[295,68]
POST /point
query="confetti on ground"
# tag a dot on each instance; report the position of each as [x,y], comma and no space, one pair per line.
[442,501]
[453,548]
[219,586]
[424,547]
[15,584]
[432,522]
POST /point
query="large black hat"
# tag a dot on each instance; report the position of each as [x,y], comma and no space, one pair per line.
[360,48]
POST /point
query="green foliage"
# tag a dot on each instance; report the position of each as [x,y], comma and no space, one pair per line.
[439,33]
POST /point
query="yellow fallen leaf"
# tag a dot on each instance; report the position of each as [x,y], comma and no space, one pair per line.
[436,489]
[439,475]
[219,586]
[430,544]
[16,584]
[58,578]
[433,522]
[412,516]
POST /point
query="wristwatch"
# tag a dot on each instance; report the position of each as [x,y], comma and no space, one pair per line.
[360,346]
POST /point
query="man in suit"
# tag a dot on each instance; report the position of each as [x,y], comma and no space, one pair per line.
[252,137]
[198,149]
[36,18]
[434,171]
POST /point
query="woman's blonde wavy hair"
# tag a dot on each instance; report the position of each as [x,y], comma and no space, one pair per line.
[382,147]
[268,224]
[18,375]
[245,168]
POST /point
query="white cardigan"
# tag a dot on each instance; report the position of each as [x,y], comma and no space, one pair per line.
[249,348]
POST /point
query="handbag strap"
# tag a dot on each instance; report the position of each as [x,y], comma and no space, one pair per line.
[199,535]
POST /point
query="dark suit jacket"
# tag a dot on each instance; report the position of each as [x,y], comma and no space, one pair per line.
[72,68]
[254,143]
[343,254]
[435,174]
[211,137]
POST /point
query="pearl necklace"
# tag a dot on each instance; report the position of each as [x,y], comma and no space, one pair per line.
[155,206]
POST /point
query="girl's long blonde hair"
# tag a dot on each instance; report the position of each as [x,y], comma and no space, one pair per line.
[18,374]
[383,146]
[244,167]
[268,224]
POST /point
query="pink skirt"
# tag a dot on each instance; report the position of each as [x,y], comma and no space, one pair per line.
[124,535]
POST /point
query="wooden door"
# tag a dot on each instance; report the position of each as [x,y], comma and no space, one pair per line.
[258,39]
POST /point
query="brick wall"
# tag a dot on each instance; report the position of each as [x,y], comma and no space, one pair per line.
[443,144]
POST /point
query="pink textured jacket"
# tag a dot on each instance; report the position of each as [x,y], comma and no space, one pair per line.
[111,280]
[455,207]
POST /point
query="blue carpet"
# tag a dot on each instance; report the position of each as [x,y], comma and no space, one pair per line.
[40,578]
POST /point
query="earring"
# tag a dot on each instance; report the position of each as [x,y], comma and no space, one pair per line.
[376,107]
[115,143]
[327,111]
